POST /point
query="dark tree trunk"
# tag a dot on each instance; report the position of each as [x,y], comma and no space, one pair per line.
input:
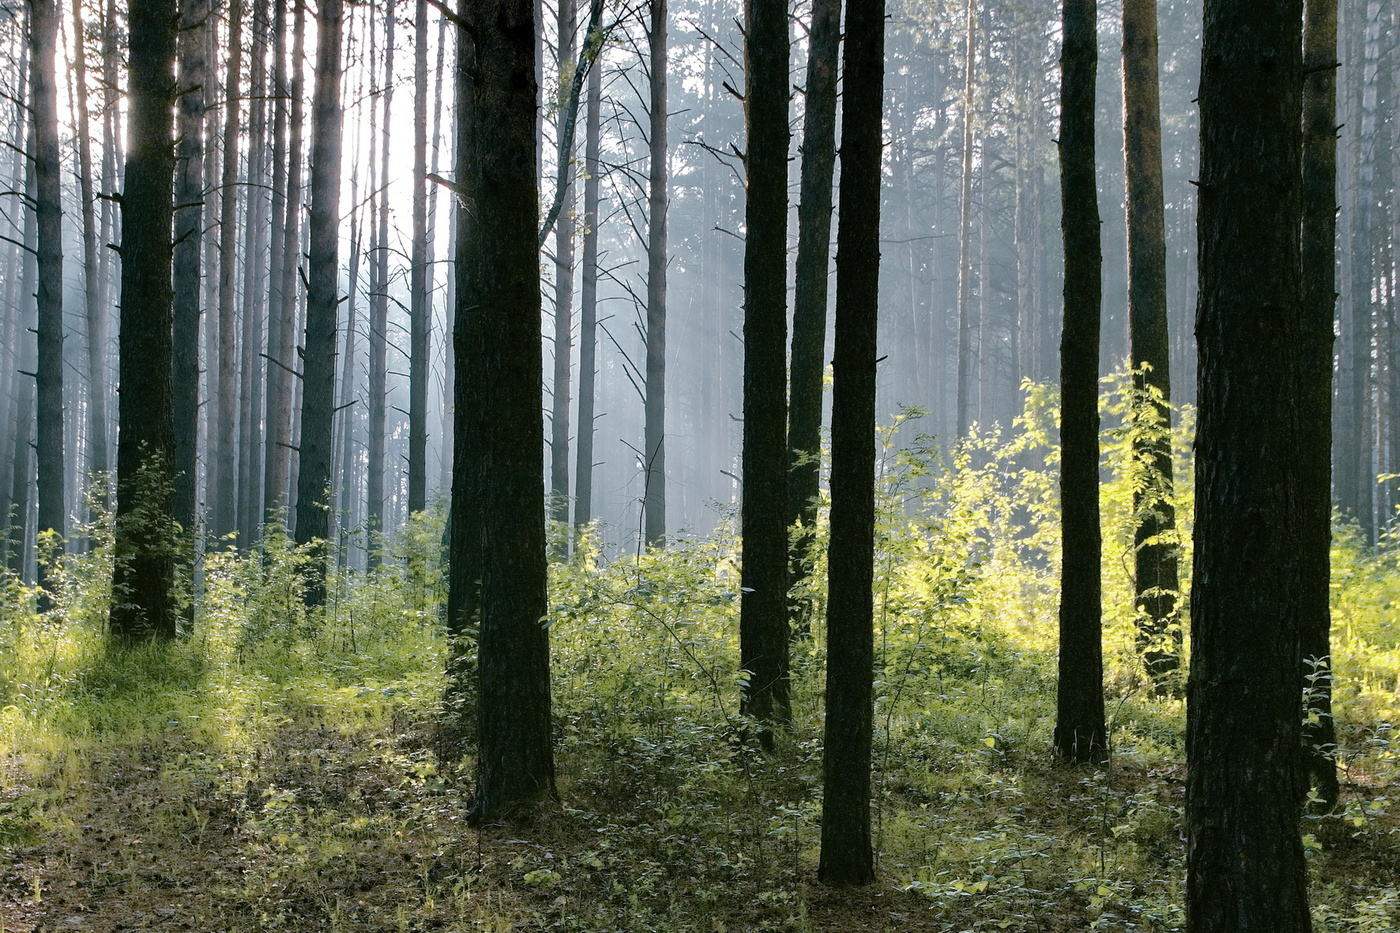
[282,313]
[967,363]
[48,204]
[379,316]
[256,213]
[420,312]
[22,468]
[1244,862]
[499,344]
[763,629]
[1155,581]
[846,853]
[224,431]
[318,356]
[563,295]
[143,604]
[809,298]
[189,230]
[1079,723]
[588,302]
[1319,263]
[654,445]
[94,312]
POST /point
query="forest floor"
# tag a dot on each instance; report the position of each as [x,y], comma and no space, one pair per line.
[340,828]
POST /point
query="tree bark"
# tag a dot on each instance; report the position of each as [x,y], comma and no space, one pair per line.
[1080,734]
[224,431]
[1245,865]
[420,311]
[810,296]
[563,292]
[499,344]
[322,298]
[379,316]
[846,853]
[967,363]
[256,213]
[588,301]
[143,606]
[763,629]
[1155,580]
[1319,263]
[654,442]
[48,204]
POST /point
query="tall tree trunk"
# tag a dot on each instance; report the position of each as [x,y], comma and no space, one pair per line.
[564,290]
[48,209]
[1080,734]
[349,484]
[967,363]
[144,568]
[225,429]
[94,313]
[322,299]
[499,343]
[846,853]
[1155,582]
[588,301]
[189,229]
[420,310]
[1244,855]
[1319,264]
[654,446]
[763,629]
[282,298]
[22,471]
[379,315]
[809,298]
[256,210]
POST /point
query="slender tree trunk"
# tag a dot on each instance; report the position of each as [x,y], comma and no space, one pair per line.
[43,38]
[144,568]
[588,301]
[420,311]
[318,358]
[1080,734]
[846,853]
[763,629]
[379,316]
[256,212]
[349,484]
[282,300]
[810,296]
[22,471]
[1319,264]
[189,229]
[499,344]
[654,446]
[966,325]
[94,314]
[564,292]
[1155,580]
[224,432]
[1244,856]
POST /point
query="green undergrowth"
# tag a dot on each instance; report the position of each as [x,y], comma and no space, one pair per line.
[273,769]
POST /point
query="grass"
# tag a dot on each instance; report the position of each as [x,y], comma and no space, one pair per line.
[274,770]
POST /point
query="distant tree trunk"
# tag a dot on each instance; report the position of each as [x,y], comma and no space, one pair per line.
[1155,580]
[654,446]
[563,294]
[1080,734]
[420,311]
[22,470]
[349,485]
[499,343]
[379,316]
[1319,264]
[94,312]
[809,298]
[144,567]
[318,358]
[286,246]
[1244,856]
[224,432]
[256,212]
[588,302]
[967,363]
[763,630]
[846,853]
[43,38]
